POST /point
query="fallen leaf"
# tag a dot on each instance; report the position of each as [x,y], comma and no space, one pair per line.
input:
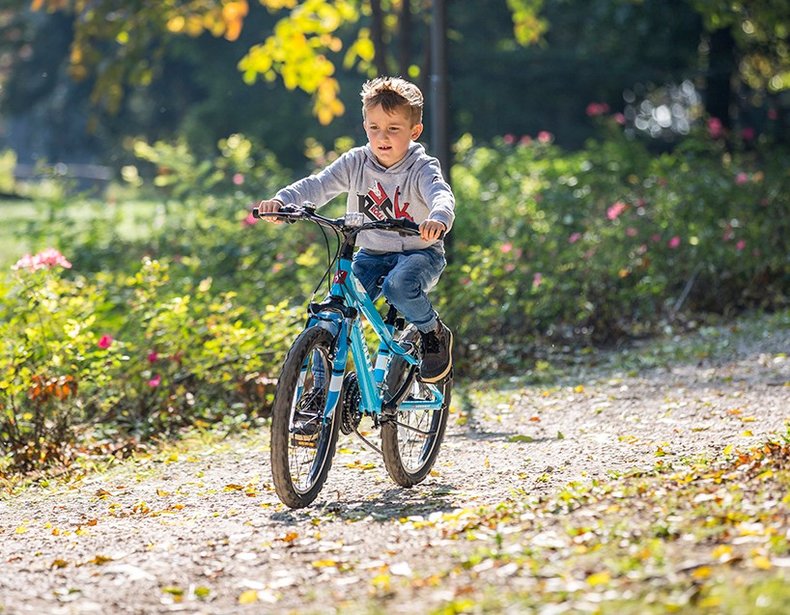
[248,597]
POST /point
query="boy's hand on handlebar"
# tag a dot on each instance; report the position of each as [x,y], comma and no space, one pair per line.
[431,230]
[270,206]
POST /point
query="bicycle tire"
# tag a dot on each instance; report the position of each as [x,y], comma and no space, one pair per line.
[408,455]
[299,472]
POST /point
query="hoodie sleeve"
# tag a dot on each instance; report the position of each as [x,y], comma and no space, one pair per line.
[324,185]
[437,194]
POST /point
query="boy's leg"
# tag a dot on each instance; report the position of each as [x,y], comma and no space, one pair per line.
[369,268]
[405,286]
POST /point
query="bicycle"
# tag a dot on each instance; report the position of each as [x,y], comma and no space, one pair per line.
[310,408]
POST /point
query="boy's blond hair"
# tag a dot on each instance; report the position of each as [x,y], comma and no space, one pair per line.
[393,93]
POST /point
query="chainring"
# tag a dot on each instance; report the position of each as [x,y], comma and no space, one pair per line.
[350,414]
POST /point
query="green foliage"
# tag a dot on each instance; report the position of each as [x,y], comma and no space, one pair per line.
[139,355]
[187,318]
[609,241]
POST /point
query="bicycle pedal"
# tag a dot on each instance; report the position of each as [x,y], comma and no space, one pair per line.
[304,440]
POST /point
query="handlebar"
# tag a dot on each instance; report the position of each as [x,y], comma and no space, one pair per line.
[346,225]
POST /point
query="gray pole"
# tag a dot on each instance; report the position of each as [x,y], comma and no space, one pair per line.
[439,138]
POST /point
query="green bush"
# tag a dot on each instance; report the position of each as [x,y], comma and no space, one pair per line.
[611,241]
[137,355]
[187,318]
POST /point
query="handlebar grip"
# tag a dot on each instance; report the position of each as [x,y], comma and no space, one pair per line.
[408,225]
[286,209]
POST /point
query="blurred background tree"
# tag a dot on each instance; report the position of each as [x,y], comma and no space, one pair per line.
[78,79]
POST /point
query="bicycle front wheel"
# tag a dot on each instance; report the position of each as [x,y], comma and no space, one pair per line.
[302,441]
[410,440]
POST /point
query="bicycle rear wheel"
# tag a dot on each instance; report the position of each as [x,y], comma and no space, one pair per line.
[302,442]
[410,440]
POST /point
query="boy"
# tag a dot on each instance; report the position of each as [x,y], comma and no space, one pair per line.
[392,177]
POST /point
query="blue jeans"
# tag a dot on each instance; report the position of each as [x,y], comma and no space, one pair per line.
[404,278]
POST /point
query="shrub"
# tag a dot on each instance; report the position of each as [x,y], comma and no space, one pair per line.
[610,241]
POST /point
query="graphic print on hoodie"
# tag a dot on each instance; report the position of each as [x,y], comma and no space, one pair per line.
[377,205]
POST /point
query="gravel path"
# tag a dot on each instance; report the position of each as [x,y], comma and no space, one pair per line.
[199,529]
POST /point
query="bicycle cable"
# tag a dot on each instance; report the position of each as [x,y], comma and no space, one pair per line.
[330,260]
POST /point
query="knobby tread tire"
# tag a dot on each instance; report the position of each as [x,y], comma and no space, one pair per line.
[309,340]
[390,445]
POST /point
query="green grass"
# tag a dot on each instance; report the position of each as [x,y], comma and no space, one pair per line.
[31,226]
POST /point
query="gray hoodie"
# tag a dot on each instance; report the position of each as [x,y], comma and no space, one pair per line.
[413,188]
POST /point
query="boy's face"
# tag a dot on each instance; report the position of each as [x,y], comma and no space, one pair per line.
[390,134]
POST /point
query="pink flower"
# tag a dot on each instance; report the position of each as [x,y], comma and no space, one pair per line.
[595,109]
[105,341]
[238,179]
[525,140]
[152,356]
[46,259]
[741,178]
[615,210]
[250,220]
[655,237]
[740,245]
[715,128]
[574,237]
[509,267]
[506,247]
[674,242]
[544,136]
[155,381]
[509,139]
[537,280]
[619,118]
[747,134]
[631,231]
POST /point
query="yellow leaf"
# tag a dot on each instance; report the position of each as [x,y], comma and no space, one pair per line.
[162,493]
[579,388]
[381,581]
[233,487]
[761,562]
[747,433]
[58,563]
[703,572]
[765,475]
[728,449]
[325,563]
[599,578]
[722,552]
[21,529]
[248,597]
[99,560]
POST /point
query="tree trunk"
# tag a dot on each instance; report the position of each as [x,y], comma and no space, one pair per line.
[405,26]
[722,67]
[377,36]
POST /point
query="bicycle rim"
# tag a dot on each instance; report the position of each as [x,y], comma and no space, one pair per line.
[299,469]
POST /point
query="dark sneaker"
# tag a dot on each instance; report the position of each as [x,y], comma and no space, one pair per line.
[308,418]
[437,354]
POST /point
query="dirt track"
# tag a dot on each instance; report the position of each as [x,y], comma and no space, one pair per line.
[201,531]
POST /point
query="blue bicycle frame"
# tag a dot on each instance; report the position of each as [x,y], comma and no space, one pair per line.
[347,291]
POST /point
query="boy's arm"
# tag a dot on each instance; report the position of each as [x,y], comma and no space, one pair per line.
[321,187]
[438,195]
